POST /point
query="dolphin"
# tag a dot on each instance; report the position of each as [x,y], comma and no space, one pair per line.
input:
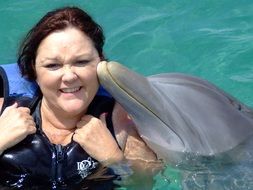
[178,113]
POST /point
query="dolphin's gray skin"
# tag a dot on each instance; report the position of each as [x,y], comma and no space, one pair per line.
[177,112]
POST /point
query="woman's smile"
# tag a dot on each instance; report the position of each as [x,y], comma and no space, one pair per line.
[72,93]
[70,90]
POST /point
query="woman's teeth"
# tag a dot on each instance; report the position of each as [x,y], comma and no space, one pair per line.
[70,90]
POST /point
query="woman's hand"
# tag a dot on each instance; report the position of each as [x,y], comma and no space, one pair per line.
[95,138]
[15,124]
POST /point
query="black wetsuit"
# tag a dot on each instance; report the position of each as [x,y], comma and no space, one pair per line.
[35,163]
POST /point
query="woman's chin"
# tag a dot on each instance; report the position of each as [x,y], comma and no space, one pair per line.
[74,108]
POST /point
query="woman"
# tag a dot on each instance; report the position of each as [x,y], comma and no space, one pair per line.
[69,131]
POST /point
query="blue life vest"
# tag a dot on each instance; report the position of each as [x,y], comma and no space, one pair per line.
[35,162]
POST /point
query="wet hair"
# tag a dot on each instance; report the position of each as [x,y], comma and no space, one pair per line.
[56,20]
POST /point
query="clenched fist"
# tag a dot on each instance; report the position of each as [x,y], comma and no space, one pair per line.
[15,124]
[96,139]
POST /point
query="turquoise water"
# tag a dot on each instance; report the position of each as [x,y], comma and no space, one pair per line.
[207,38]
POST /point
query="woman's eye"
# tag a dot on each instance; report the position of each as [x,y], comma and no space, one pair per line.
[53,66]
[82,62]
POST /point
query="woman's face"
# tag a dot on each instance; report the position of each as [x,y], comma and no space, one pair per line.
[65,66]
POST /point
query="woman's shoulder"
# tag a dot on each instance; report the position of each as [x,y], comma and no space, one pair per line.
[122,124]
[128,138]
[1,102]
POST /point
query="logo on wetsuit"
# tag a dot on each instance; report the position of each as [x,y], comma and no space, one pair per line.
[84,167]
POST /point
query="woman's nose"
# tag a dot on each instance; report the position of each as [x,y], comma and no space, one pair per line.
[69,74]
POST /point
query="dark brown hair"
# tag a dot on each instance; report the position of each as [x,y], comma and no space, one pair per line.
[58,19]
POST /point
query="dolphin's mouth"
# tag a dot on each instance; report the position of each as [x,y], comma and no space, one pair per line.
[110,71]
[112,78]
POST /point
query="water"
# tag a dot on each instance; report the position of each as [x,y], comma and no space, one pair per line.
[209,39]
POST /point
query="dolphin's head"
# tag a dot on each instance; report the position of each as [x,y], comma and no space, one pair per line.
[142,103]
[177,113]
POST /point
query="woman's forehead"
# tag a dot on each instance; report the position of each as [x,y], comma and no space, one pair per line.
[67,41]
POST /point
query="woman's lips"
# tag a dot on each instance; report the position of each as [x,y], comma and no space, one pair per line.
[70,90]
